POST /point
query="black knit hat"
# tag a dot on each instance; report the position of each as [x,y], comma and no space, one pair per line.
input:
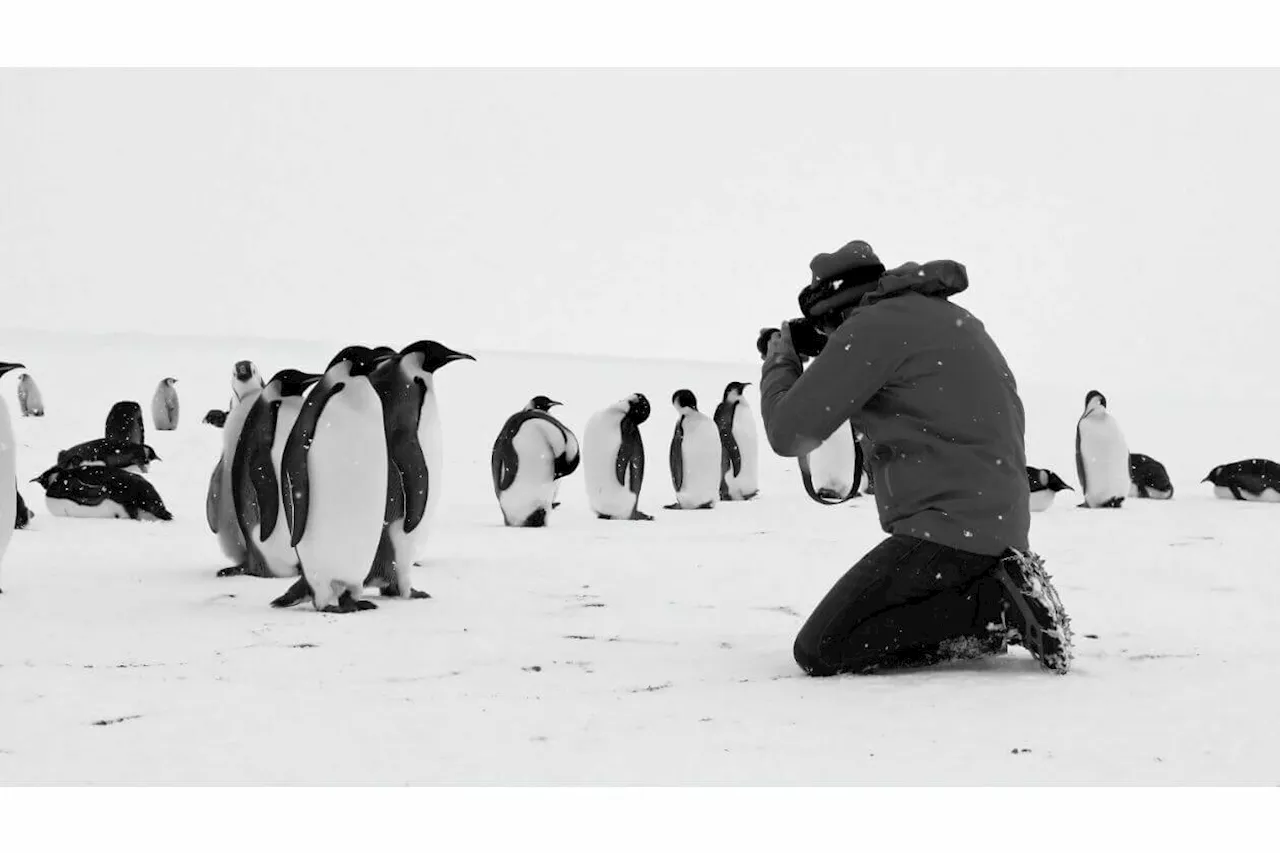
[840,279]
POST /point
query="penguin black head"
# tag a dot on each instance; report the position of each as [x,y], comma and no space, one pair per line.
[1055,483]
[244,371]
[293,383]
[1088,398]
[542,403]
[434,355]
[6,366]
[1214,476]
[684,399]
[361,359]
[149,453]
[734,388]
[638,408]
[169,380]
[48,478]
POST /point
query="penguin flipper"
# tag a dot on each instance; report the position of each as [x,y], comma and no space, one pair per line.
[297,593]
[211,500]
[415,478]
[245,495]
[1084,481]
[295,484]
[505,463]
[677,457]
[630,466]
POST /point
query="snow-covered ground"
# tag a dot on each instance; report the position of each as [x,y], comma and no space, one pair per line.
[596,651]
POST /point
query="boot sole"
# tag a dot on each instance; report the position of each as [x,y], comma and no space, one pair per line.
[1048,628]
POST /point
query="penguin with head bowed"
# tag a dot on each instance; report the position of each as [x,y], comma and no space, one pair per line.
[334,484]
[1148,478]
[30,403]
[1044,486]
[113,454]
[694,456]
[124,423]
[1246,480]
[613,459]
[164,405]
[255,477]
[531,454]
[1102,455]
[97,491]
[739,464]
[245,380]
[8,467]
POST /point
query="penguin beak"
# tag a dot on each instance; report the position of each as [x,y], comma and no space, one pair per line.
[6,366]
[551,403]
[458,356]
[309,379]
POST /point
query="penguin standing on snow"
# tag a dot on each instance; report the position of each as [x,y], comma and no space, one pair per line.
[220,509]
[98,491]
[1247,480]
[1044,485]
[245,380]
[164,405]
[613,459]
[533,451]
[1148,478]
[334,482]
[1102,456]
[30,403]
[255,467]
[695,455]
[8,467]
[124,423]
[739,463]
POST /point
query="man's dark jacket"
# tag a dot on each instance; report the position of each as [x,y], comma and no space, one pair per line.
[936,400]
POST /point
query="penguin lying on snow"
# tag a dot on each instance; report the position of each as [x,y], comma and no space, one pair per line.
[531,454]
[1044,487]
[1148,478]
[101,492]
[695,455]
[1102,456]
[105,451]
[1247,480]
[613,459]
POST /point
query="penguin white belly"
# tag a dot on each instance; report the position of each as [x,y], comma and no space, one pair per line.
[1105,457]
[747,482]
[281,559]
[600,443]
[833,462]
[1266,496]
[534,486]
[66,508]
[701,451]
[8,479]
[433,452]
[230,540]
[1042,500]
[347,492]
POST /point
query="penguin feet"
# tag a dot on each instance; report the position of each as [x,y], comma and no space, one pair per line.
[347,603]
[231,571]
[393,591]
[296,594]
[637,515]
[707,505]
[671,506]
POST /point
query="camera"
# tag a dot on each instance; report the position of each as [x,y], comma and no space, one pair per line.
[806,336]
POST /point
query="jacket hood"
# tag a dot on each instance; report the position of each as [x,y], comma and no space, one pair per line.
[934,278]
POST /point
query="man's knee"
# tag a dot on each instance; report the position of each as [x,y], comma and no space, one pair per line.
[806,654]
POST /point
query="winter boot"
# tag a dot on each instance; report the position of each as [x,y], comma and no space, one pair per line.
[1033,613]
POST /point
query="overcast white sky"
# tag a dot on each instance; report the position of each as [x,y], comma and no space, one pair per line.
[647,213]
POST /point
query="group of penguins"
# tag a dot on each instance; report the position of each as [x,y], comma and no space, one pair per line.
[1107,472]
[334,477]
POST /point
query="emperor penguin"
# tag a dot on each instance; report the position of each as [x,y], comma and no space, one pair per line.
[8,467]
[1044,486]
[220,510]
[113,454]
[164,405]
[1148,478]
[739,462]
[613,459]
[405,383]
[334,482]
[30,403]
[98,491]
[695,455]
[1102,456]
[245,380]
[1246,480]
[255,471]
[124,423]
[832,471]
[532,452]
